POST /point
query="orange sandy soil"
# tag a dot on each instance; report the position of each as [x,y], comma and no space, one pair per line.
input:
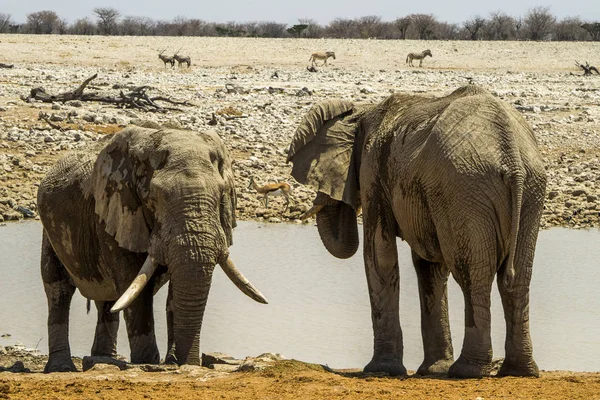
[289,380]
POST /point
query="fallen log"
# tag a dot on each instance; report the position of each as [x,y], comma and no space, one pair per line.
[587,68]
[137,98]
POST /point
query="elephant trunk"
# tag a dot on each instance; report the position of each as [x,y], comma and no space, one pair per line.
[190,287]
[338,229]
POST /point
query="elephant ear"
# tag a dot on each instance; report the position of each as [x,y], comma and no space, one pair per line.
[322,150]
[120,185]
[229,198]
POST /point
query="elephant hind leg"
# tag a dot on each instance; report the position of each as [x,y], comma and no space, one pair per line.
[473,265]
[59,290]
[518,359]
[435,326]
[107,327]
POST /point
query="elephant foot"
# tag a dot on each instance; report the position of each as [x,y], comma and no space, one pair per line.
[529,368]
[436,368]
[59,363]
[465,369]
[171,359]
[392,367]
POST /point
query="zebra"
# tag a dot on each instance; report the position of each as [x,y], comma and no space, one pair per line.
[321,56]
[181,59]
[166,59]
[417,56]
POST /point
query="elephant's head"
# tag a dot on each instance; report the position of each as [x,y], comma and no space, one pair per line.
[171,194]
[327,149]
[325,152]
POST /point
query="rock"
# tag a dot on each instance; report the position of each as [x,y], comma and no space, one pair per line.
[18,367]
[261,362]
[578,192]
[209,359]
[224,367]
[91,361]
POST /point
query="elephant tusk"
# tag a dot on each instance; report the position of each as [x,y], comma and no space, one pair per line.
[136,286]
[241,282]
[313,211]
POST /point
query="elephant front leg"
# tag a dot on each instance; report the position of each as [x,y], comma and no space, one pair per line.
[59,292]
[381,266]
[435,325]
[139,318]
[107,327]
[171,357]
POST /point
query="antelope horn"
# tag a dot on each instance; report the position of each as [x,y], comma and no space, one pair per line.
[241,282]
[313,211]
[136,286]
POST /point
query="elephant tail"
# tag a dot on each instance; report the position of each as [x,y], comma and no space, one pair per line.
[516,190]
[88,306]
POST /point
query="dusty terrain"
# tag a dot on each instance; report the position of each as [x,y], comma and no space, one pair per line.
[256,112]
[258,89]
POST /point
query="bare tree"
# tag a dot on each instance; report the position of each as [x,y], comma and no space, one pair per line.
[107,20]
[272,29]
[198,27]
[402,24]
[539,22]
[593,28]
[424,25]
[5,22]
[314,30]
[341,28]
[370,26]
[82,26]
[473,26]
[180,26]
[42,22]
[570,29]
[499,26]
[446,31]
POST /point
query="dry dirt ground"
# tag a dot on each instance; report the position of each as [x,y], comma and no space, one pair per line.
[288,379]
[539,78]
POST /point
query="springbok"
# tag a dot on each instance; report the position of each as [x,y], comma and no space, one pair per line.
[275,189]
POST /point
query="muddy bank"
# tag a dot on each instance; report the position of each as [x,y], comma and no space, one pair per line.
[277,379]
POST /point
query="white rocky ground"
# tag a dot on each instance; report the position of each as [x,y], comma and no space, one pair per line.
[257,111]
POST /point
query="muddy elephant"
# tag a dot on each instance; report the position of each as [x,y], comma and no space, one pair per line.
[146,207]
[461,180]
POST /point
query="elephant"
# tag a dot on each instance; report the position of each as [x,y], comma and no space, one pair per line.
[461,180]
[145,207]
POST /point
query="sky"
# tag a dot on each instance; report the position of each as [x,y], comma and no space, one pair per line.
[285,11]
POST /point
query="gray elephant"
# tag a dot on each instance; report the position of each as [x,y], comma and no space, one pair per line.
[149,206]
[461,180]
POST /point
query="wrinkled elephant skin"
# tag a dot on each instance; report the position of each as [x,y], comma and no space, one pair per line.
[461,180]
[145,207]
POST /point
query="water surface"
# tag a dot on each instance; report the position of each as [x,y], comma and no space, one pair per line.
[318,307]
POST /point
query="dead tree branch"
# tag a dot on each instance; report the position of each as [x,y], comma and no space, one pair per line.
[42,116]
[137,98]
[587,68]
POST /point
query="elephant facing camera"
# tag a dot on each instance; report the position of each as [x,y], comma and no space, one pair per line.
[150,206]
